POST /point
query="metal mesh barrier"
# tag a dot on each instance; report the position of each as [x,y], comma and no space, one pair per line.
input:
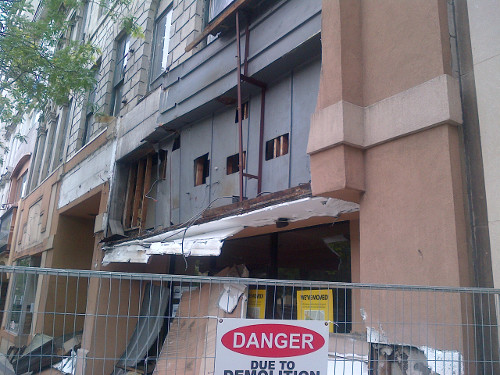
[93,322]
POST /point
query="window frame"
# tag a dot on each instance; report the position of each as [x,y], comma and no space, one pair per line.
[159,66]
[122,52]
[88,120]
[27,296]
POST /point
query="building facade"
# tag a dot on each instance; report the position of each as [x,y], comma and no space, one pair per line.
[309,140]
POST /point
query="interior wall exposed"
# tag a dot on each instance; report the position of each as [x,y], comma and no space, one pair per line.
[73,249]
[318,253]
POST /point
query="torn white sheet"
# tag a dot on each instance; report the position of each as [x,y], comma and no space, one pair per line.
[67,365]
[347,364]
[207,238]
[444,362]
[441,362]
[199,245]
[230,296]
[174,243]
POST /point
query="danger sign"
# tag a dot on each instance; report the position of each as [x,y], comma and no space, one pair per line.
[271,347]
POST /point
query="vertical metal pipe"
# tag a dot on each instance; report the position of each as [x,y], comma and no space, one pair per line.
[240,129]
[261,139]
[247,44]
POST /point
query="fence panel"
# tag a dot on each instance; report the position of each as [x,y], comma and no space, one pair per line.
[110,323]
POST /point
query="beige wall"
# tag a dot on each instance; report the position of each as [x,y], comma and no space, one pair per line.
[73,248]
[484,31]
[403,165]
[412,231]
[414,215]
[386,134]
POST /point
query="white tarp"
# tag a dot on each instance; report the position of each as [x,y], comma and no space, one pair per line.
[207,239]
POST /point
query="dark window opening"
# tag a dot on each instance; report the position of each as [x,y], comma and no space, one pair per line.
[277,147]
[177,143]
[244,112]
[201,170]
[162,162]
[233,163]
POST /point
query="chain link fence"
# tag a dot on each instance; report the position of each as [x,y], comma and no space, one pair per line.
[93,322]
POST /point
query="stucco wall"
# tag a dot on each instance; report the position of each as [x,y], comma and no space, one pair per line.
[484,31]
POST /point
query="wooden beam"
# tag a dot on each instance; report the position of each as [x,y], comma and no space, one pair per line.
[127,212]
[147,187]
[138,192]
[216,24]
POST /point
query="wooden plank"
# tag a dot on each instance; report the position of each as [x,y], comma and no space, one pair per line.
[189,348]
[127,212]
[284,145]
[212,27]
[147,186]
[199,168]
[138,192]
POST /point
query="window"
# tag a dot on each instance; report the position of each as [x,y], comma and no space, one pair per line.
[61,142]
[233,163]
[143,177]
[123,46]
[277,147]
[161,41]
[201,170]
[50,144]
[21,186]
[5,228]
[22,298]
[90,107]
[216,7]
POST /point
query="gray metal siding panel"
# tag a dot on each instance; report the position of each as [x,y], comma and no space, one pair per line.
[277,115]
[305,92]
[225,143]
[252,144]
[204,77]
[196,141]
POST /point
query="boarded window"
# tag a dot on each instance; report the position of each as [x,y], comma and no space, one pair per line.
[232,163]
[143,177]
[244,112]
[277,147]
[201,170]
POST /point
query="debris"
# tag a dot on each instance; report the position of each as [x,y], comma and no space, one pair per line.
[68,364]
[229,298]
[189,347]
[42,352]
